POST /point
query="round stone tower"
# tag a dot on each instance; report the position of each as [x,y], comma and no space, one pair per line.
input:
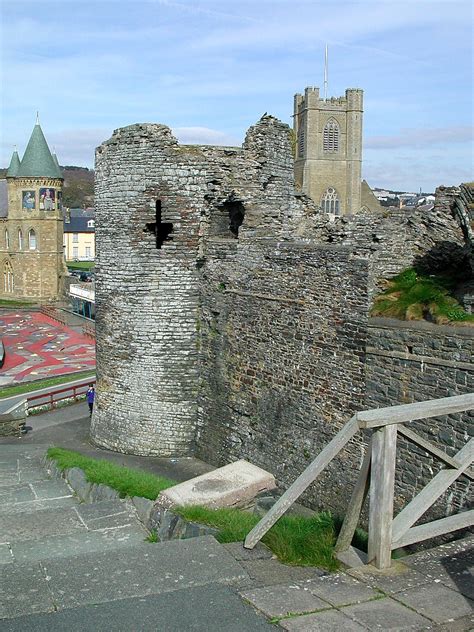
[147,225]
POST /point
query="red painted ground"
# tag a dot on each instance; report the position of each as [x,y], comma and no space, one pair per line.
[37,346]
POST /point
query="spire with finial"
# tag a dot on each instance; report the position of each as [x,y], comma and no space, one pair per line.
[37,160]
[12,170]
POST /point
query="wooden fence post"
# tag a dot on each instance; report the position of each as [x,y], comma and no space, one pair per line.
[384,450]
[359,494]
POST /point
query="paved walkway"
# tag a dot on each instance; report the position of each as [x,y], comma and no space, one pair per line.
[37,347]
[71,566]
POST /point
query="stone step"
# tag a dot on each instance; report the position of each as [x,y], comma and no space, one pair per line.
[72,545]
[31,506]
[213,608]
[137,571]
[32,491]
[43,523]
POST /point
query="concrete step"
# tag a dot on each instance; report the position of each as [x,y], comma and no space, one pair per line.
[31,506]
[210,608]
[135,571]
[11,495]
[72,545]
[43,523]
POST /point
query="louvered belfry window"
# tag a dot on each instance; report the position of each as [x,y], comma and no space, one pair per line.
[331,136]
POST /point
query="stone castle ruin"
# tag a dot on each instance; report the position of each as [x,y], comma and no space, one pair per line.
[233,313]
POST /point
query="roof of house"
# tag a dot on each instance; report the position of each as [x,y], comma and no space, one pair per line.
[78,225]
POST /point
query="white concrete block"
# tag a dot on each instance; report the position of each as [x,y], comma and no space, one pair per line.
[233,485]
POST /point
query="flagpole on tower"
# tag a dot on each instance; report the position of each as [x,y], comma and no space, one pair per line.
[326,73]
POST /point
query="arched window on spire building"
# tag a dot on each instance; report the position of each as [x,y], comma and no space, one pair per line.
[330,201]
[20,239]
[8,284]
[31,239]
[331,136]
[7,240]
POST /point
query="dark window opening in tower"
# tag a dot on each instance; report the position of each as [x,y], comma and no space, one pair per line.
[161,230]
[236,213]
[226,219]
[331,136]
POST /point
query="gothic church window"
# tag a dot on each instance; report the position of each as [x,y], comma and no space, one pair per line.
[331,136]
[7,240]
[8,284]
[20,239]
[330,201]
[32,239]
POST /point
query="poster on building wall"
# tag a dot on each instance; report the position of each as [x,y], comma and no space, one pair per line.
[28,200]
[47,199]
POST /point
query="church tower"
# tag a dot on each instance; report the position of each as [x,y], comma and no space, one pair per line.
[31,236]
[328,158]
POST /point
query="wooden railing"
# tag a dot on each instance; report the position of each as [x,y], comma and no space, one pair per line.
[50,398]
[377,474]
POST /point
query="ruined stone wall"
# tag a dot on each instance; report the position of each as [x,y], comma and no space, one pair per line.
[147,297]
[282,343]
[415,361]
[393,239]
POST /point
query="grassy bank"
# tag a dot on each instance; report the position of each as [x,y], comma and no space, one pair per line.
[27,387]
[412,296]
[80,265]
[295,540]
[126,481]
[13,303]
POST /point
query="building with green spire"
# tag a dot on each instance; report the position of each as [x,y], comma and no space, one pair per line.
[31,235]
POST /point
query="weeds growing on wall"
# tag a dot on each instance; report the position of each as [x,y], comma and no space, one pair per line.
[412,296]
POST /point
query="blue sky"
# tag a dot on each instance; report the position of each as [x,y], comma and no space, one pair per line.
[210,69]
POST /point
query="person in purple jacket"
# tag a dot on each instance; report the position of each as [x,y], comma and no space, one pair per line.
[90,396]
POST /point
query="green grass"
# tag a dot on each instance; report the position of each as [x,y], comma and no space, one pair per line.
[295,540]
[412,296]
[16,303]
[126,481]
[8,391]
[80,265]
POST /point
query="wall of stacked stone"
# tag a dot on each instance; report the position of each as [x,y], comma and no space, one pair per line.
[393,240]
[282,344]
[147,297]
[415,361]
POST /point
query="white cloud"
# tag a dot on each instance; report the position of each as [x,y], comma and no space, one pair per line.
[422,137]
[204,136]
[77,146]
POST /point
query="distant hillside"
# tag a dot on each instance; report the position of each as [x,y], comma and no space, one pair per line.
[78,190]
